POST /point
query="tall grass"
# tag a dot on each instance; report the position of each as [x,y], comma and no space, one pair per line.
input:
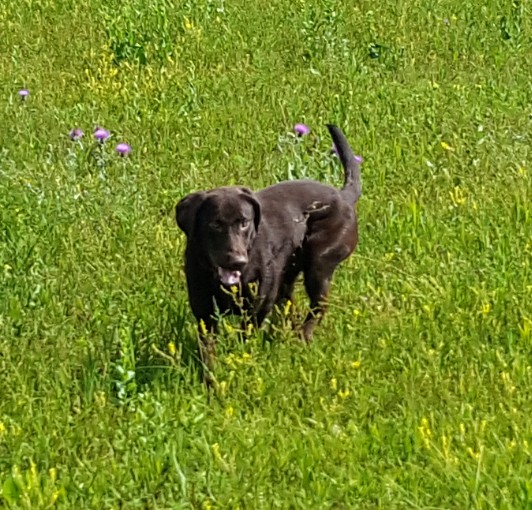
[416,390]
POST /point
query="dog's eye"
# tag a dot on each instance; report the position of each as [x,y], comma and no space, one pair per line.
[244,224]
[216,226]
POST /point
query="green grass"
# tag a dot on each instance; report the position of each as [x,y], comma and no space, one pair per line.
[416,392]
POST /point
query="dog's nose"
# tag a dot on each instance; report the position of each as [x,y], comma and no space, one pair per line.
[237,261]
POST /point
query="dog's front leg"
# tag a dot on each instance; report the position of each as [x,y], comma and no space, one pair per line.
[202,302]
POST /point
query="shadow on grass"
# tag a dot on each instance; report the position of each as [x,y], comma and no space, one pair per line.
[167,351]
[141,352]
[159,348]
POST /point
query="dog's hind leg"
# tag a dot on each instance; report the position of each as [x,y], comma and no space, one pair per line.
[326,248]
[317,283]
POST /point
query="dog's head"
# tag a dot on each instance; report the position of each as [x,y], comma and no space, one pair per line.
[223,222]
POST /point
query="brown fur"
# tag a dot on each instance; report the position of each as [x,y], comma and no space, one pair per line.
[269,237]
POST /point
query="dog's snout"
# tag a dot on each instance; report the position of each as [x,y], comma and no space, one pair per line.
[236,260]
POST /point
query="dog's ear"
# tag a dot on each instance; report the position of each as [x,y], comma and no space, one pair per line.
[250,197]
[187,209]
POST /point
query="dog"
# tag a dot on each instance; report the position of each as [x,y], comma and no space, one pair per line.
[256,244]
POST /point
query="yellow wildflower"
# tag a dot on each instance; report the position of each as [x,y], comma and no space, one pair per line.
[32,475]
[230,360]
[53,498]
[425,432]
[507,381]
[334,384]
[356,363]
[215,448]
[457,196]
[171,348]
[446,447]
[253,288]
[222,387]
[486,308]
[446,146]
[100,398]
[426,427]
[475,455]
[343,394]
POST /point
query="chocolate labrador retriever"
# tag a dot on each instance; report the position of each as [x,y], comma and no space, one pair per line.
[245,250]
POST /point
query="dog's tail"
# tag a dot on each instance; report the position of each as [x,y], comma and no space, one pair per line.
[353,182]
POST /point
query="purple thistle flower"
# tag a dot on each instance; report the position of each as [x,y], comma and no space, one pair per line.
[76,134]
[23,93]
[101,134]
[301,129]
[123,149]
[359,159]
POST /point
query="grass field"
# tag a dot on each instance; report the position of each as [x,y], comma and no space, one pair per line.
[417,390]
